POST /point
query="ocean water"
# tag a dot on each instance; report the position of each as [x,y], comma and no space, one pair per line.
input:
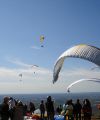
[58,99]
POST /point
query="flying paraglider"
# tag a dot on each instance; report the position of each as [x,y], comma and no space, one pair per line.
[20,75]
[41,40]
[81,80]
[34,66]
[82,51]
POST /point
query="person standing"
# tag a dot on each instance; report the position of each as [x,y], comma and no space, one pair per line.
[69,110]
[87,109]
[18,111]
[42,109]
[50,108]
[78,108]
[32,107]
[11,107]
[5,109]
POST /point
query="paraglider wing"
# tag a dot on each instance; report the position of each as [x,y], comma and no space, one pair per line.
[90,79]
[35,66]
[82,51]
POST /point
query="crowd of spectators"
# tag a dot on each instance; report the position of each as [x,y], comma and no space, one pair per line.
[15,110]
[77,111]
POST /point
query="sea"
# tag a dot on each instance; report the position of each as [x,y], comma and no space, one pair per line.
[58,98]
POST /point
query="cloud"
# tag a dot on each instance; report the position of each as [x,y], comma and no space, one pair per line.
[18,62]
[9,77]
[39,79]
[29,67]
[29,72]
[81,72]
[35,47]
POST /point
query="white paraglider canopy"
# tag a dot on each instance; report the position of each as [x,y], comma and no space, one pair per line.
[82,80]
[82,51]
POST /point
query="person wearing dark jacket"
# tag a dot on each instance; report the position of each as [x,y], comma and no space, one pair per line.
[87,109]
[5,109]
[78,108]
[42,109]
[50,108]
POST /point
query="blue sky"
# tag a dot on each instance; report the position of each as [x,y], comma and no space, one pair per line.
[63,23]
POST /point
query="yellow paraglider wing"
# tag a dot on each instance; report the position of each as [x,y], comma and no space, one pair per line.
[42,38]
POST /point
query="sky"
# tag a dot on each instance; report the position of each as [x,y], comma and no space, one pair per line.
[63,23]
